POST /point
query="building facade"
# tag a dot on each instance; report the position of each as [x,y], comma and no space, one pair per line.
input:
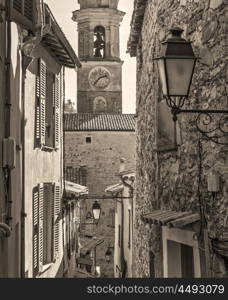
[94,145]
[122,194]
[180,226]
[36,54]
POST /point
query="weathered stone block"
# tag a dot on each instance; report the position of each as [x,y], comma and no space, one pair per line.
[215,3]
[209,30]
[206,56]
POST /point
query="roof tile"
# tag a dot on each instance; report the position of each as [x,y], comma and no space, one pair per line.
[99,122]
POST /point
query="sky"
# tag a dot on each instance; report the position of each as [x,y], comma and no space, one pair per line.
[62,11]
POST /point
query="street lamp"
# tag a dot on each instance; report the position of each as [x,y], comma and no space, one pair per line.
[108,254]
[96,209]
[176,64]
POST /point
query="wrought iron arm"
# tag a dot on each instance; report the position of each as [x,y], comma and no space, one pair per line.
[212,124]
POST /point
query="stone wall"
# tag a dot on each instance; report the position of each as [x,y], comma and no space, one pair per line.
[169,180]
[101,159]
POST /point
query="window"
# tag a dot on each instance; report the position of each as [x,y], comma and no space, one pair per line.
[99,42]
[181,254]
[23,12]
[100,105]
[46,227]
[103,3]
[129,228]
[169,133]
[76,175]
[47,108]
[119,235]
[152,267]
[88,140]
[112,217]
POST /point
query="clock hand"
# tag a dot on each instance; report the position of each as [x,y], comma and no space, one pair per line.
[103,76]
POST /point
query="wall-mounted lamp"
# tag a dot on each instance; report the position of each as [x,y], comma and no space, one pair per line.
[108,255]
[176,65]
[96,209]
[213,183]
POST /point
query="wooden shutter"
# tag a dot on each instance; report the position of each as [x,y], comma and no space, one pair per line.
[41,221]
[28,9]
[18,5]
[43,83]
[48,204]
[40,104]
[35,231]
[23,12]
[57,110]
[56,219]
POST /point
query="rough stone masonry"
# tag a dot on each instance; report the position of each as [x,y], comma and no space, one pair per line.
[170,179]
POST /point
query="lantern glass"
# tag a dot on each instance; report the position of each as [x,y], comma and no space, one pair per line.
[108,255]
[179,75]
[163,78]
[96,211]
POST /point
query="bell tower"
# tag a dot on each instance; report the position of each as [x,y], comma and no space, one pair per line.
[100,77]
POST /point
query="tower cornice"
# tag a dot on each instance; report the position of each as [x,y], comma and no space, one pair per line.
[98,14]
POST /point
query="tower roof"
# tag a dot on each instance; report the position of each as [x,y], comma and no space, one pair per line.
[98,4]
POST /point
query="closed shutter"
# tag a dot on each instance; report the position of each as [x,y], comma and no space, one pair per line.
[57,110]
[24,7]
[37,123]
[28,9]
[18,5]
[48,223]
[41,221]
[43,83]
[24,10]
[40,125]
[35,231]
[56,219]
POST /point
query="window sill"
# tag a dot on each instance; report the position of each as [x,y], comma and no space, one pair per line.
[169,148]
[48,149]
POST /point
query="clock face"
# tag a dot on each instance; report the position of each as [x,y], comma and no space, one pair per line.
[99,77]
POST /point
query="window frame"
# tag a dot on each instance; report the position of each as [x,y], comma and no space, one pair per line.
[40,246]
[48,107]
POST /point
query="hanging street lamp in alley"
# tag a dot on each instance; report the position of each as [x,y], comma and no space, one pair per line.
[96,209]
[108,255]
[176,65]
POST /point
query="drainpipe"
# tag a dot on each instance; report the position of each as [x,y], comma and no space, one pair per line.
[7,119]
[23,214]
[123,180]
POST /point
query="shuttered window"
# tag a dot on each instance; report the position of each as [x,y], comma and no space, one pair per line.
[24,7]
[48,100]
[23,12]
[40,103]
[129,228]
[41,226]
[119,235]
[57,110]
[46,225]
[56,223]
[35,231]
